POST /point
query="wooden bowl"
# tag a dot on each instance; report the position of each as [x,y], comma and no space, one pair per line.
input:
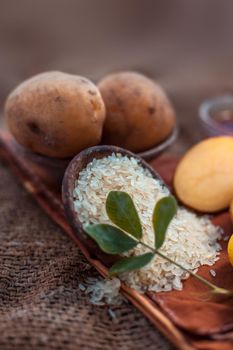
[161,147]
[155,151]
[72,173]
[49,170]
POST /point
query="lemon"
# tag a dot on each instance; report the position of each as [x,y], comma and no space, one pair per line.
[230,250]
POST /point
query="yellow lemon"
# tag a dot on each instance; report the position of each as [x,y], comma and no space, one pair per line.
[230,250]
[203,179]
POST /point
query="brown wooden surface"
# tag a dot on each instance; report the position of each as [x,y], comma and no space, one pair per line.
[212,320]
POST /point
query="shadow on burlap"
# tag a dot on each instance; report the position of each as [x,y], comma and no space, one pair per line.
[41,305]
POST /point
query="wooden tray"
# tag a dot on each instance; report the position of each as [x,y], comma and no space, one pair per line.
[189,321]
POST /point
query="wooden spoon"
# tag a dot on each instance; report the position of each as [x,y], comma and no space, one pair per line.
[72,173]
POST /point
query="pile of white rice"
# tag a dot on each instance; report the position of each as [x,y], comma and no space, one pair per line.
[190,241]
[103,291]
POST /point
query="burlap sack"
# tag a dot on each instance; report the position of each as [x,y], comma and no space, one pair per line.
[41,305]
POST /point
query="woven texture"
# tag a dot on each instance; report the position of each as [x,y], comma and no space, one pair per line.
[41,305]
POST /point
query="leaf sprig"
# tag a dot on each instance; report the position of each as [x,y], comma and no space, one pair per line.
[127,234]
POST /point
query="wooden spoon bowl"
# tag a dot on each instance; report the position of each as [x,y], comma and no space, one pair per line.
[161,147]
[72,173]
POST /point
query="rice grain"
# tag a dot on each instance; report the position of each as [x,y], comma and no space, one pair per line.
[191,240]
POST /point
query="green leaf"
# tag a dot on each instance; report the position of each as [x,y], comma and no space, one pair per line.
[122,212]
[110,239]
[164,212]
[130,264]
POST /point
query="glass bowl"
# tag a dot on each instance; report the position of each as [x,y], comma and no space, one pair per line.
[216,115]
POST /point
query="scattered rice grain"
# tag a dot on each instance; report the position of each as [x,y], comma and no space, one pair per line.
[213,272]
[103,291]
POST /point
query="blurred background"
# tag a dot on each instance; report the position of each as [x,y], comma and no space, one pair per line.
[185,45]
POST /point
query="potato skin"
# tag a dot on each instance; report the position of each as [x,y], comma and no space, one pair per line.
[203,179]
[56,114]
[138,113]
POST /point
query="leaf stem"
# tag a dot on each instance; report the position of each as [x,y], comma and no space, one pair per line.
[215,288]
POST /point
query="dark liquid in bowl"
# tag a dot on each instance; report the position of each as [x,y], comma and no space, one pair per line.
[228,125]
[225,119]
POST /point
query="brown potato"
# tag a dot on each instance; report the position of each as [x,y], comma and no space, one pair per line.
[138,113]
[56,114]
[203,179]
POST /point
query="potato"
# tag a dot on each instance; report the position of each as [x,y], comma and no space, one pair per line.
[138,113]
[56,114]
[204,177]
[231,210]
